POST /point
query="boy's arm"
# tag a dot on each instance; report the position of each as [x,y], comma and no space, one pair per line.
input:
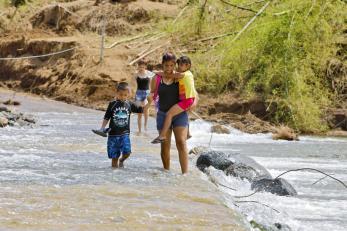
[104,123]
[107,115]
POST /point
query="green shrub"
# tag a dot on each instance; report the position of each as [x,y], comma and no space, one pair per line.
[282,57]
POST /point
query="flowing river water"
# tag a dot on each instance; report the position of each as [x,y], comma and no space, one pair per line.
[56,176]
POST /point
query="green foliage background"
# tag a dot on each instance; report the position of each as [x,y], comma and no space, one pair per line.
[282,57]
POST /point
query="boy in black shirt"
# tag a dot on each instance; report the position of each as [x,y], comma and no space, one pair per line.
[118,114]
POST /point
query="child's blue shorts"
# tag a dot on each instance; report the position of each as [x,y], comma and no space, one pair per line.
[141,95]
[117,145]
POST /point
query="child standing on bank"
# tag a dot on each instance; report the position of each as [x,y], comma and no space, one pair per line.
[187,96]
[118,116]
[143,78]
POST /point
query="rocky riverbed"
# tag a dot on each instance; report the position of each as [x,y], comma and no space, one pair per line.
[10,117]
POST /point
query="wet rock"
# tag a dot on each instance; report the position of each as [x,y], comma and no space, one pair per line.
[219,160]
[4,109]
[198,150]
[244,167]
[283,227]
[220,129]
[285,133]
[340,119]
[12,102]
[3,121]
[337,133]
[29,119]
[274,227]
[242,171]
[277,186]
[248,165]
[8,118]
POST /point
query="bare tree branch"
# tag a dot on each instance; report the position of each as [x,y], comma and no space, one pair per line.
[238,7]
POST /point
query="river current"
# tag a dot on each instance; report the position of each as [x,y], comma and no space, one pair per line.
[56,176]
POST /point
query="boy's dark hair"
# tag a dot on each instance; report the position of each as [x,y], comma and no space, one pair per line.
[141,62]
[122,86]
[168,57]
[184,60]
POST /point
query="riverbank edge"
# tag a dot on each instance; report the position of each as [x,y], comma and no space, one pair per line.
[246,122]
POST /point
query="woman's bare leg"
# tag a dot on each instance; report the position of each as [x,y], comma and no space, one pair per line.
[174,110]
[139,121]
[181,144]
[145,114]
[165,151]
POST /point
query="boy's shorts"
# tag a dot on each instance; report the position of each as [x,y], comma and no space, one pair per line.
[141,95]
[180,120]
[117,145]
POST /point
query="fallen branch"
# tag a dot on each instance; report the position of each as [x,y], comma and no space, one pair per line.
[312,169]
[180,14]
[145,50]
[319,180]
[238,7]
[226,186]
[281,13]
[126,40]
[247,195]
[68,11]
[154,38]
[251,21]
[251,3]
[216,37]
[147,53]
[258,203]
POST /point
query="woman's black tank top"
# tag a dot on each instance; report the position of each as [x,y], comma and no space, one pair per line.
[168,96]
[142,83]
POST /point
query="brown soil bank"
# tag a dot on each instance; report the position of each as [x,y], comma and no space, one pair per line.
[77,77]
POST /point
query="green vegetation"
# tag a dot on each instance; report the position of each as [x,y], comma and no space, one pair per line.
[281,57]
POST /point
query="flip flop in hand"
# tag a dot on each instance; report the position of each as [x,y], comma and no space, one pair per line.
[158,140]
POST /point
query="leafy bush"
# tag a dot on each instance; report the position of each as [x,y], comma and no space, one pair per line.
[282,57]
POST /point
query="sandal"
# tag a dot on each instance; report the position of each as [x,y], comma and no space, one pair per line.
[100,132]
[158,140]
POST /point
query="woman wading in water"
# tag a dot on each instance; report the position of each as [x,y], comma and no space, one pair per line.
[165,92]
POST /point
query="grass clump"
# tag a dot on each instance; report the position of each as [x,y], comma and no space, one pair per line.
[281,57]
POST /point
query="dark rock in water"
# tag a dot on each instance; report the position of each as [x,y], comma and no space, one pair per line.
[219,160]
[277,186]
[243,171]
[246,168]
[243,167]
[283,227]
[4,109]
[274,227]
[8,118]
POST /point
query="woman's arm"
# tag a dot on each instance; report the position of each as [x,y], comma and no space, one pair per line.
[152,86]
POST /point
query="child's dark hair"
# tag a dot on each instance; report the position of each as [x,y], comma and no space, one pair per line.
[168,57]
[184,60]
[122,86]
[141,62]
